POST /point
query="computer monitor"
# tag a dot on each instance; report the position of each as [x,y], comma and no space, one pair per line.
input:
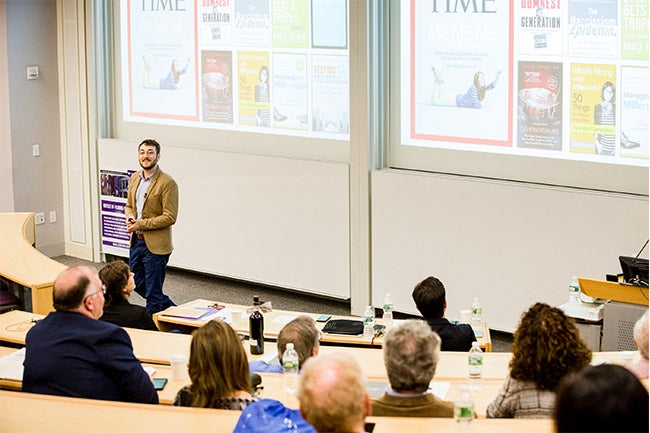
[635,270]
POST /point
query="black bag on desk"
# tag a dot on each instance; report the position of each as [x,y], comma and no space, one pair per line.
[344,327]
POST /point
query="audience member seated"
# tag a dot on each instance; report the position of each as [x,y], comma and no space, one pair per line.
[71,353]
[332,394]
[546,347]
[119,283]
[411,353]
[603,398]
[271,416]
[218,369]
[304,335]
[430,300]
[640,368]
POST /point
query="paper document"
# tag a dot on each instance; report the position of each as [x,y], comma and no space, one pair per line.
[11,366]
[284,319]
[439,389]
[225,314]
[188,313]
[269,356]
[377,388]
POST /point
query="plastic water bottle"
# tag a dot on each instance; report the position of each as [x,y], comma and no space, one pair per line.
[475,362]
[290,365]
[256,328]
[369,323]
[464,406]
[387,317]
[477,311]
[574,291]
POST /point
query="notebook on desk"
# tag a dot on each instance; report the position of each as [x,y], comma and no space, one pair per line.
[188,313]
[11,366]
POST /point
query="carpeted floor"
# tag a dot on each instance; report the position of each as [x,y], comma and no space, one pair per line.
[184,286]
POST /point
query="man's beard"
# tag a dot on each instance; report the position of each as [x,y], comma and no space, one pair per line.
[151,165]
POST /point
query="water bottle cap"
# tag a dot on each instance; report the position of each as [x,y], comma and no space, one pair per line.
[475,344]
[289,346]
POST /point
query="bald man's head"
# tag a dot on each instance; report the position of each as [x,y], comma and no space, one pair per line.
[332,393]
[79,289]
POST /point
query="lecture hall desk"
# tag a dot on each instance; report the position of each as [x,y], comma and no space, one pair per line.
[156,347]
[148,346]
[23,264]
[23,413]
[273,323]
[151,346]
[273,386]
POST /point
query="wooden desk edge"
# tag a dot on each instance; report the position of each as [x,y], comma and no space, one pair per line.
[133,417]
[41,287]
[163,322]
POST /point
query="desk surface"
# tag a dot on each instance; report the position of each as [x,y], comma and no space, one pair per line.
[148,346]
[273,323]
[151,346]
[156,347]
[23,264]
[101,416]
[273,386]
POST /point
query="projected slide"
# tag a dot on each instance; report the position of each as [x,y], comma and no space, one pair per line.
[264,66]
[162,63]
[535,78]
[461,72]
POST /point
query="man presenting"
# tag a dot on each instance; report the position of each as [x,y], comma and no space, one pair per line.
[151,210]
[71,353]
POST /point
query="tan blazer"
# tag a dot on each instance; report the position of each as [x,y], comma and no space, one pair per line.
[158,213]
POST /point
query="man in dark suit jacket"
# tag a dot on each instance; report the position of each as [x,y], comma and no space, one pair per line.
[431,301]
[71,353]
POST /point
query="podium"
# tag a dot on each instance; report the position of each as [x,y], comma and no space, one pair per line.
[588,319]
[627,304]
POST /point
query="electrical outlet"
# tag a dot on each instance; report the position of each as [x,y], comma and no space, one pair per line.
[52,216]
[33,72]
[36,150]
[39,218]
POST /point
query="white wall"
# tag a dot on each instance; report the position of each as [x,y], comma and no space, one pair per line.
[272,220]
[34,117]
[6,175]
[511,244]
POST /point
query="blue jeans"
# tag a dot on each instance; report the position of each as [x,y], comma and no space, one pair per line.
[149,270]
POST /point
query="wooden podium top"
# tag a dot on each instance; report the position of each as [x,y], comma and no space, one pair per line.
[614,291]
